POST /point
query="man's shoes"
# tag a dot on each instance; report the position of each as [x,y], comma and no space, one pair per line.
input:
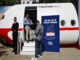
[40,56]
[13,53]
[35,58]
[28,41]
[16,53]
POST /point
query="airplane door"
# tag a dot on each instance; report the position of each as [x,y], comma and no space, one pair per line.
[32,12]
[51,38]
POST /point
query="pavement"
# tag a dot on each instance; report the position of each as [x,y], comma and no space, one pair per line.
[69,53]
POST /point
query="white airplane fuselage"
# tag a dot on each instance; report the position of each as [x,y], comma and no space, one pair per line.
[69,33]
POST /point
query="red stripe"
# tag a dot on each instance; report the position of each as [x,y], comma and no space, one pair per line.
[79,47]
[68,45]
[76,28]
[4,34]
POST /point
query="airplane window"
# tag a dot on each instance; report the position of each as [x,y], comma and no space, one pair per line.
[3,16]
[28,2]
[62,22]
[23,2]
[73,22]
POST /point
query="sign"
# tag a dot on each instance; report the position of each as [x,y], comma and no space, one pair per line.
[51,38]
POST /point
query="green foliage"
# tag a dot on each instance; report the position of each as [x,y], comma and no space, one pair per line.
[55,1]
[13,2]
[1,3]
[7,2]
[10,2]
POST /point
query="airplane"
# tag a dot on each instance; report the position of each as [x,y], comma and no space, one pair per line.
[68,22]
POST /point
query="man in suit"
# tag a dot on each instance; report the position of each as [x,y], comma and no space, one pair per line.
[14,29]
[27,23]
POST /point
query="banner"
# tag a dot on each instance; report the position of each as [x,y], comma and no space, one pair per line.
[51,38]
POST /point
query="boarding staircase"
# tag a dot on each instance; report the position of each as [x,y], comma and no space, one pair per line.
[28,48]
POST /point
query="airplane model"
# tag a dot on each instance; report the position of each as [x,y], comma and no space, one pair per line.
[69,26]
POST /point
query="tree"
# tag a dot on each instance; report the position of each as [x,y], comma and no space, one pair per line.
[9,2]
[54,1]
[2,3]
[13,2]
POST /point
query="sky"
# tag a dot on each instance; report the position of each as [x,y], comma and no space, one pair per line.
[3,9]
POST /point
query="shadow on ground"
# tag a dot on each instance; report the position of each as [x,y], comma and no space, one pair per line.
[4,43]
[3,47]
[2,53]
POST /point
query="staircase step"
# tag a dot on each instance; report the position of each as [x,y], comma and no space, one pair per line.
[28,49]
[27,53]
[29,44]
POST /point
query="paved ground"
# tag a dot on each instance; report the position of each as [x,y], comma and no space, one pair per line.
[65,54]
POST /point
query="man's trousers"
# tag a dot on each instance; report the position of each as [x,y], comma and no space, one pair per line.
[38,48]
[15,39]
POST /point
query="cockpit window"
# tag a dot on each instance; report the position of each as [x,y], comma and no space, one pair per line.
[23,2]
[28,2]
[73,22]
[62,22]
[3,16]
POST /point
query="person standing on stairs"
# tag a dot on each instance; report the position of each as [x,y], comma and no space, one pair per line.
[27,23]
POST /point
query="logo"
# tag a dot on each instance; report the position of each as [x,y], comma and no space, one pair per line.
[50,43]
[50,33]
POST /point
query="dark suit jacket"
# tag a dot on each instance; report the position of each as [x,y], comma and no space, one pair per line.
[14,28]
